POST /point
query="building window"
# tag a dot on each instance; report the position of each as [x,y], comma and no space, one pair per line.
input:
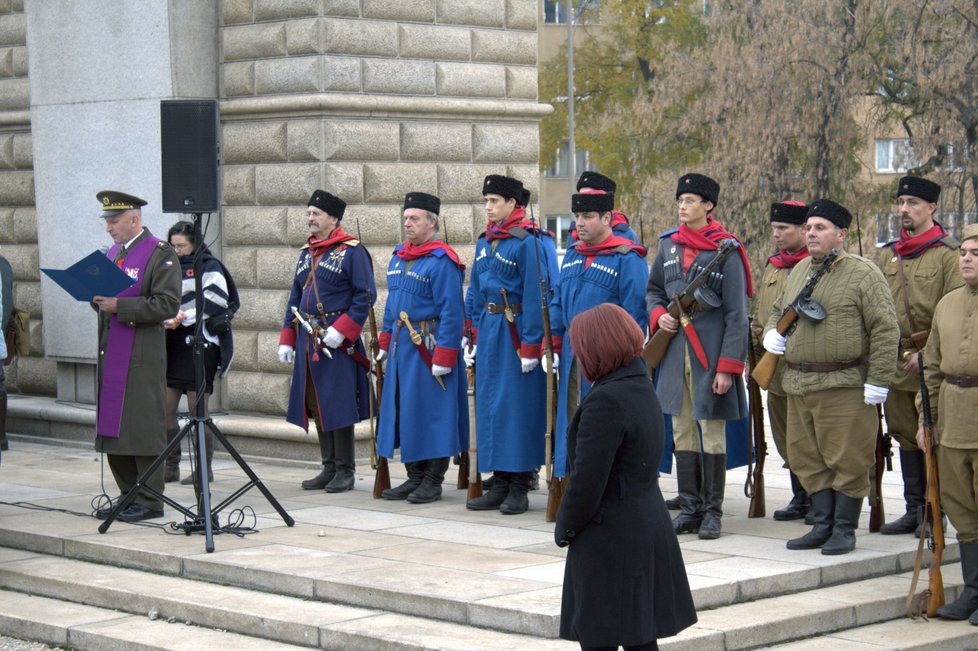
[894,155]
[555,11]
[887,228]
[560,225]
[559,167]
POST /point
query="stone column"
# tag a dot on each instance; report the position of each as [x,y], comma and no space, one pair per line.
[368,99]
[98,70]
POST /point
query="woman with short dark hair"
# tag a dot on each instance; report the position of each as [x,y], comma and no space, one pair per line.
[220,302]
[624,580]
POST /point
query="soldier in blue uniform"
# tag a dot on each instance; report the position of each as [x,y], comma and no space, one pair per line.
[700,382]
[600,267]
[334,287]
[424,409]
[507,314]
[595,182]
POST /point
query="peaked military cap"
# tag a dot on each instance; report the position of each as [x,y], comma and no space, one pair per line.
[116,203]
[789,212]
[916,186]
[504,186]
[831,211]
[699,184]
[328,203]
[596,181]
[593,202]
[421,200]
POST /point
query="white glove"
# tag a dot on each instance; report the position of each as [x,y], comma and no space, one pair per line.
[529,363]
[381,356]
[465,343]
[333,337]
[873,395]
[469,356]
[286,354]
[543,363]
[440,370]
[775,342]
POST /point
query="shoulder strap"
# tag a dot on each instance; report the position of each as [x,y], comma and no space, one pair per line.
[519,232]
[951,242]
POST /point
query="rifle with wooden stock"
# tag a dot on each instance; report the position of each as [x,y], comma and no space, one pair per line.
[932,524]
[754,485]
[382,476]
[474,482]
[555,485]
[802,306]
[695,295]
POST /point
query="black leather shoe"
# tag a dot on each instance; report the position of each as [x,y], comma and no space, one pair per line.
[138,513]
[104,512]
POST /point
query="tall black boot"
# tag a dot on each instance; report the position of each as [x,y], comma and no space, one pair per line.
[913,469]
[208,453]
[689,478]
[344,448]
[171,468]
[798,506]
[823,510]
[492,498]
[325,476]
[967,602]
[516,501]
[430,488]
[415,473]
[843,538]
[714,481]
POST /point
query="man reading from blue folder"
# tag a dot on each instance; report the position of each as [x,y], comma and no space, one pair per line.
[132,353]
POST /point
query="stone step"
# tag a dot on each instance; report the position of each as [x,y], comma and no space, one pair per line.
[77,592]
[835,612]
[904,634]
[78,626]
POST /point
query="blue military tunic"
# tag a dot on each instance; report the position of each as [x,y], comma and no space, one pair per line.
[344,282]
[510,405]
[416,414]
[618,278]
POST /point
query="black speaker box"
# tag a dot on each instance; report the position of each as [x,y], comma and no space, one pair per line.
[189,135]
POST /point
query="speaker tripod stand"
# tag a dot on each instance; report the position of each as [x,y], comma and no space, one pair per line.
[205,516]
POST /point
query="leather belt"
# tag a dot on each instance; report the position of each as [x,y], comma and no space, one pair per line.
[496,308]
[823,367]
[963,381]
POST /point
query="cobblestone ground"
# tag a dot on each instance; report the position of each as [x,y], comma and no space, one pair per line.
[13,644]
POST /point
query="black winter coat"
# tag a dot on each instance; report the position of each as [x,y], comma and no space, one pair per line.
[624,580]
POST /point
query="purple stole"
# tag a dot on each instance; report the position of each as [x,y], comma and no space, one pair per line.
[118,350]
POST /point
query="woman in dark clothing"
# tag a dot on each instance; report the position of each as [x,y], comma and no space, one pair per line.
[220,301]
[624,581]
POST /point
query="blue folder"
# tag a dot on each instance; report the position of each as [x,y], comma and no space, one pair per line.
[94,275]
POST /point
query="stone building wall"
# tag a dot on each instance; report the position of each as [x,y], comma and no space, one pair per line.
[18,226]
[367,99]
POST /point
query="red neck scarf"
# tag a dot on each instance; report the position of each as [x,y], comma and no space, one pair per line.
[708,238]
[608,247]
[412,252]
[318,247]
[911,246]
[500,231]
[533,228]
[785,260]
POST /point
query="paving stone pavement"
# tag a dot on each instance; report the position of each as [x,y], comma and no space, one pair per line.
[426,573]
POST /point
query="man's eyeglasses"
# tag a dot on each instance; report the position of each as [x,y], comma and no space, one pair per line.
[686,201]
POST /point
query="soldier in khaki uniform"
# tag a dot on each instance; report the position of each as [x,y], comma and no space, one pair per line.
[837,370]
[951,366]
[920,268]
[787,231]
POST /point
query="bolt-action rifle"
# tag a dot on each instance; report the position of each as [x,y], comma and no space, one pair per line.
[754,485]
[932,524]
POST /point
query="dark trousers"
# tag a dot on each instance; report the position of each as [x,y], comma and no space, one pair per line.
[126,469]
[648,646]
